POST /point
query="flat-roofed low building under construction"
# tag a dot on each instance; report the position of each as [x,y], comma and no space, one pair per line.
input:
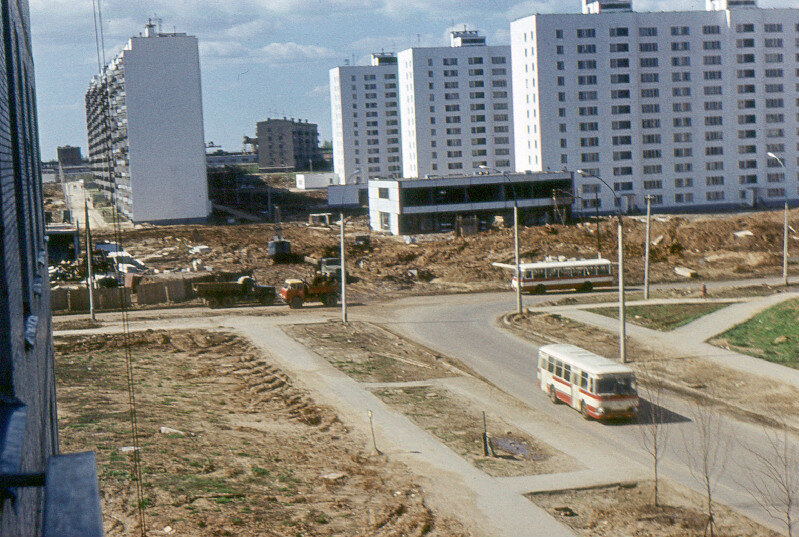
[411,206]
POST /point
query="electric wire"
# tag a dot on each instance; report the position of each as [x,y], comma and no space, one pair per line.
[106,80]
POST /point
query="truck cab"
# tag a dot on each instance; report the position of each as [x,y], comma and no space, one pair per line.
[295,292]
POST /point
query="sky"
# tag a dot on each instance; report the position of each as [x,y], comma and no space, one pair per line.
[259,58]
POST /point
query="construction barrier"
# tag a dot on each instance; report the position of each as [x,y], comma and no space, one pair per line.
[163,292]
[76,300]
[59,299]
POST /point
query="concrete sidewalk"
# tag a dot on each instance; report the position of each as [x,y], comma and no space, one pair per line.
[690,339]
[468,493]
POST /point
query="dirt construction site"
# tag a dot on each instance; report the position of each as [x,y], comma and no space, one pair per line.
[235,441]
[714,247]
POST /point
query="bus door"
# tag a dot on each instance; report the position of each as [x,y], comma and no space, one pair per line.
[575,391]
[567,376]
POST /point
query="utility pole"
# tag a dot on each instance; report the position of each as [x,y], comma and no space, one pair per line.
[646,248]
[598,238]
[90,277]
[785,247]
[516,252]
[343,274]
[622,309]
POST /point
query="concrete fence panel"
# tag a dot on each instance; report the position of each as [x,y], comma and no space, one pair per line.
[151,293]
[59,299]
[111,299]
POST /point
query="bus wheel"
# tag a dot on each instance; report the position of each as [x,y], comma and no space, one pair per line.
[553,395]
[539,289]
[586,287]
[584,411]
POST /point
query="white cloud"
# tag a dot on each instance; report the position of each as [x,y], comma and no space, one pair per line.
[319,91]
[269,54]
[292,53]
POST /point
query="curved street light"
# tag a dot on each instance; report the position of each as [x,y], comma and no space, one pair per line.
[515,236]
[622,309]
[784,227]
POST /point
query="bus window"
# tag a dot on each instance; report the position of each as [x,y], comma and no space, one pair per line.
[540,274]
[603,270]
[567,372]
[584,380]
[591,384]
[528,274]
[617,385]
[559,369]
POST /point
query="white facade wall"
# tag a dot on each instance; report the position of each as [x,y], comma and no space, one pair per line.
[165,129]
[310,181]
[365,118]
[457,109]
[384,206]
[682,106]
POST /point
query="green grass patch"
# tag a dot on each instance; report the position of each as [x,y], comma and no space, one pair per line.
[772,335]
[663,317]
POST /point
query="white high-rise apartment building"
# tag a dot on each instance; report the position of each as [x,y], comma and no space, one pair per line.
[144,119]
[366,124]
[456,107]
[680,106]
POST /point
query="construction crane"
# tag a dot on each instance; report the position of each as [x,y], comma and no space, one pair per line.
[252,142]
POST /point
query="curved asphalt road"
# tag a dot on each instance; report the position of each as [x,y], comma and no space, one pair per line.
[464,327]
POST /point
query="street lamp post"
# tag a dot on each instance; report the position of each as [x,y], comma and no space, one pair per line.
[622,304]
[784,227]
[515,238]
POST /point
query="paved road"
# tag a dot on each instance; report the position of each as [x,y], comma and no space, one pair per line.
[464,327]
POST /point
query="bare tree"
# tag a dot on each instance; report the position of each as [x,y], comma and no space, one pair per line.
[653,430]
[773,475]
[706,449]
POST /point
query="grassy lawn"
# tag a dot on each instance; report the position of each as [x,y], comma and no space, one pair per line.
[663,317]
[773,335]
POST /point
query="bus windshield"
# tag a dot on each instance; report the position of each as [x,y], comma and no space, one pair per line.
[616,385]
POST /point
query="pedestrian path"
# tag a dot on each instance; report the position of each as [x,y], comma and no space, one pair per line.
[690,340]
[467,490]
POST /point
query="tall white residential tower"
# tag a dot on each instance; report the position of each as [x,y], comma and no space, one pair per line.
[680,106]
[366,125]
[145,126]
[456,107]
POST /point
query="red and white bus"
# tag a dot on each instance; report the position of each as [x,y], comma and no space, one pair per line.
[579,274]
[598,387]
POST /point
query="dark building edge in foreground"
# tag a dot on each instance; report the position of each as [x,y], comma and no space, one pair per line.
[28,417]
